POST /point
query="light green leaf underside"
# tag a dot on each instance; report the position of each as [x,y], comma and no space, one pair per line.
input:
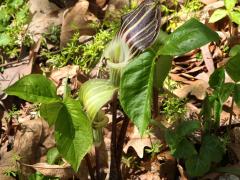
[94,94]
[235,16]
[217,15]
[52,155]
[136,89]
[229,4]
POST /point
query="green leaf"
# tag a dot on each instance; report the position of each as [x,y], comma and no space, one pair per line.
[229,170]
[94,94]
[35,88]
[160,39]
[235,17]
[225,91]
[39,176]
[229,4]
[236,94]
[5,39]
[52,155]
[50,112]
[22,15]
[172,139]
[15,3]
[163,66]
[189,36]
[217,78]
[217,15]
[187,127]
[233,67]
[234,50]
[198,165]
[217,106]
[206,112]
[212,148]
[73,149]
[136,89]
[185,149]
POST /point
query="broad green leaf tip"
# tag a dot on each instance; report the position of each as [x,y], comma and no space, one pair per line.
[34,88]
[191,35]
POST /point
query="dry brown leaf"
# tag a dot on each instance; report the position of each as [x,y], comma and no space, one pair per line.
[188,76]
[12,74]
[149,176]
[77,18]
[195,69]
[203,76]
[207,58]
[208,1]
[178,78]
[19,69]
[69,71]
[197,88]
[45,14]
[101,3]
[138,143]
[60,171]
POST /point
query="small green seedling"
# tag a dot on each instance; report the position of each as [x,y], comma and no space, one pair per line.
[230,10]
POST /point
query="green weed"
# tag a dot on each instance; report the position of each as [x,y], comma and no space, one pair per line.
[14,15]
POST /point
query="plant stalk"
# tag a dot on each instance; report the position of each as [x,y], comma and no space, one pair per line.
[90,168]
[114,173]
[155,102]
[120,142]
[231,113]
[97,155]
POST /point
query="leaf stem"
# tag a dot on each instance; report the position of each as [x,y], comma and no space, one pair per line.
[89,165]
[114,173]
[231,112]
[155,102]
[120,141]
[97,155]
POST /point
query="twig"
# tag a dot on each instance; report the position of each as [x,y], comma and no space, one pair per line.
[113,166]
[15,62]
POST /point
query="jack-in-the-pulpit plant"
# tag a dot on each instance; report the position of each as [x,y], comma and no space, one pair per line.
[135,68]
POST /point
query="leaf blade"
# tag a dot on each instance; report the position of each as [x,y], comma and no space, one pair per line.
[189,36]
[233,68]
[235,16]
[34,88]
[229,4]
[136,89]
[217,15]
[74,148]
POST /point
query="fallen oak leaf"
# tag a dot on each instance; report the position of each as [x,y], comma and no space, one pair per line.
[197,88]
[138,143]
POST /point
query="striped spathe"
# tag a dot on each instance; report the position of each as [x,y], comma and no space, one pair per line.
[140,27]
